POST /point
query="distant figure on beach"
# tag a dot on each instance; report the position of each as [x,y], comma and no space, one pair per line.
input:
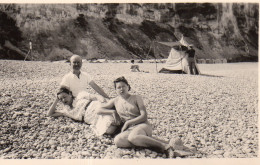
[136,130]
[77,80]
[84,108]
[30,50]
[193,69]
[134,68]
[140,61]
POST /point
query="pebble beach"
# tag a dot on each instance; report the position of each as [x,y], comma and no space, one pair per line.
[215,112]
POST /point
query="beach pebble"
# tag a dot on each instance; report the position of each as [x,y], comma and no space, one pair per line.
[175,107]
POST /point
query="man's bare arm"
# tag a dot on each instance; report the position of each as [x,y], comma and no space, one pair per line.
[98,89]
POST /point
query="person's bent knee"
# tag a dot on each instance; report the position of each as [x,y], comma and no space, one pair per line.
[134,139]
[131,138]
[99,110]
[121,142]
[118,141]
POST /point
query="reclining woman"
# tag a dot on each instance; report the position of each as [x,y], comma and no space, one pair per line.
[84,108]
[136,130]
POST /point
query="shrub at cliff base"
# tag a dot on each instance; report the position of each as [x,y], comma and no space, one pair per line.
[59,54]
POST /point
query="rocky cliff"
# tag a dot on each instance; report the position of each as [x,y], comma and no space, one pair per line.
[125,31]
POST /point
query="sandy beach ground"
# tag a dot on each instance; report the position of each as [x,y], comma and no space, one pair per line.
[216,112]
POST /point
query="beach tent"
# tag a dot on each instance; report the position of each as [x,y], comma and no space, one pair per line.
[177,61]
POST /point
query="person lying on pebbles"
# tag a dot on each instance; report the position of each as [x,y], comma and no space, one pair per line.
[84,108]
[77,80]
[136,130]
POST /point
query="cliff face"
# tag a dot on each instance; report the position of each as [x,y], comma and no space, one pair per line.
[124,31]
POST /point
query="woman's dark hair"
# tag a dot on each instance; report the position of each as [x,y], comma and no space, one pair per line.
[121,79]
[64,90]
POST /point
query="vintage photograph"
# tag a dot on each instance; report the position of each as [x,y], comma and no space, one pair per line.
[129,80]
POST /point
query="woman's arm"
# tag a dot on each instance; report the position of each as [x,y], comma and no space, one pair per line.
[107,108]
[52,109]
[112,112]
[67,114]
[108,105]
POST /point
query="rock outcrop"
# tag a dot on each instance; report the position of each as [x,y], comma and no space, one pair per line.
[124,31]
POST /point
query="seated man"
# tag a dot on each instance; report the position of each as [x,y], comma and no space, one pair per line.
[192,60]
[135,68]
[77,80]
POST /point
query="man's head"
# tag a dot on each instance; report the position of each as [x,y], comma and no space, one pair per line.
[75,62]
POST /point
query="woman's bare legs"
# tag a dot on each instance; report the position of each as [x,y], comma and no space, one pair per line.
[142,136]
[139,137]
[121,140]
